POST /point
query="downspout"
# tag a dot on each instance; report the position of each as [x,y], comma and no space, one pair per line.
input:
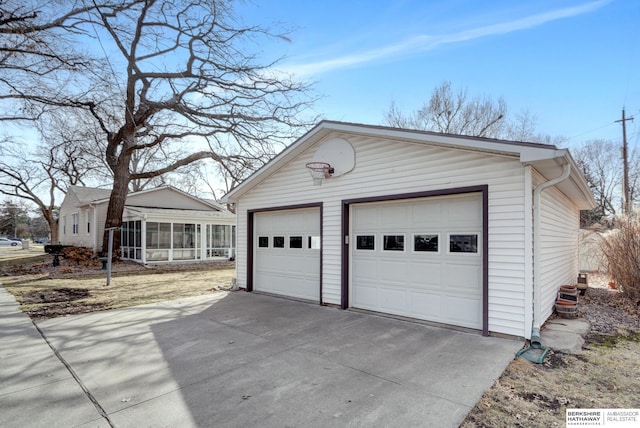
[537,286]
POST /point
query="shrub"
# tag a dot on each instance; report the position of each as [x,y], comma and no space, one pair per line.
[621,250]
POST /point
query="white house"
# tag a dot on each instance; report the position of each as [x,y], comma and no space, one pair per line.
[158,225]
[468,232]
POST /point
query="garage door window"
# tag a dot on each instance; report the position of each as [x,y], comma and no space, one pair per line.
[425,243]
[365,242]
[393,243]
[313,242]
[278,242]
[463,243]
[263,241]
[295,242]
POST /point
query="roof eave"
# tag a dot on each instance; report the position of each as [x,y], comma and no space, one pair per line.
[529,153]
[550,166]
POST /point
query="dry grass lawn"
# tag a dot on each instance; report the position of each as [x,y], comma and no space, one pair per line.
[45,292]
[607,375]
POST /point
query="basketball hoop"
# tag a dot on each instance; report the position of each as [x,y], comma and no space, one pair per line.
[319,171]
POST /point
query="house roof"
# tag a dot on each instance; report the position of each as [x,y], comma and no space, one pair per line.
[545,158]
[88,195]
[178,213]
[92,195]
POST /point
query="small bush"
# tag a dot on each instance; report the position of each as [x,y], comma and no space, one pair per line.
[621,250]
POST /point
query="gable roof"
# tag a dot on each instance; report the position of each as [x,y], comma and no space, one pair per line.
[87,195]
[92,195]
[545,158]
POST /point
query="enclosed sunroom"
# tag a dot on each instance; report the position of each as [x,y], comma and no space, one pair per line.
[151,236]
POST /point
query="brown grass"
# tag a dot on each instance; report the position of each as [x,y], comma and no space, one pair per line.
[527,395]
[51,293]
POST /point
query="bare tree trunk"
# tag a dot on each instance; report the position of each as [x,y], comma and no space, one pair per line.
[117,200]
[53,225]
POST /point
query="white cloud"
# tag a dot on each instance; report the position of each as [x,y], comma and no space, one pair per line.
[422,43]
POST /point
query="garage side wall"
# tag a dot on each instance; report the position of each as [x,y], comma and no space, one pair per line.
[386,167]
[559,251]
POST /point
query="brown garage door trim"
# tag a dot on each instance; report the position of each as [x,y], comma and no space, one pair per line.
[483,189]
[251,240]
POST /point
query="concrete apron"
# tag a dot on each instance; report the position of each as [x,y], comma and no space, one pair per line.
[243,359]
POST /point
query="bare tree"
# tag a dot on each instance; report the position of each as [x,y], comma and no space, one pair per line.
[600,162]
[37,177]
[178,73]
[454,113]
[186,76]
[38,57]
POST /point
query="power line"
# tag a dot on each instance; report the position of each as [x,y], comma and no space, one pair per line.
[590,131]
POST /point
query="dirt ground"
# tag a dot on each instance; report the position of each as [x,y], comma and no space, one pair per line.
[605,375]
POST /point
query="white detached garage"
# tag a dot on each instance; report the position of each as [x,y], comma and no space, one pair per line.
[462,231]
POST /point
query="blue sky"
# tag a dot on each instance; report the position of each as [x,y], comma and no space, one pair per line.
[574,64]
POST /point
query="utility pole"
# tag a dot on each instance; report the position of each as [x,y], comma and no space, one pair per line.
[626,202]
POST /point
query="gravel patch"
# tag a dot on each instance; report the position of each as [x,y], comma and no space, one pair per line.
[608,311]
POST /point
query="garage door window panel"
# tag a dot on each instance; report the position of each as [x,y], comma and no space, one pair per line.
[295,242]
[426,243]
[263,242]
[463,243]
[365,242]
[313,242]
[278,242]
[393,242]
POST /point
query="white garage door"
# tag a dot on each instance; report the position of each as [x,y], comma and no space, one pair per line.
[420,258]
[287,253]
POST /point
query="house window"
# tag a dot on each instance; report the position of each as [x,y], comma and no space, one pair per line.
[220,240]
[88,216]
[74,225]
[463,243]
[158,241]
[365,242]
[64,224]
[131,239]
[184,241]
[393,243]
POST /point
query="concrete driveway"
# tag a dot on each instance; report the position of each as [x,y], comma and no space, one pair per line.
[244,359]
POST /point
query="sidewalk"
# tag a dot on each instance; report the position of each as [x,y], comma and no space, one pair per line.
[36,389]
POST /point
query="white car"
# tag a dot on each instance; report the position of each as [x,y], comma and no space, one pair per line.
[4,242]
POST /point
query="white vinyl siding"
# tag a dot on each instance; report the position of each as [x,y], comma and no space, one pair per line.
[69,226]
[559,235]
[385,167]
